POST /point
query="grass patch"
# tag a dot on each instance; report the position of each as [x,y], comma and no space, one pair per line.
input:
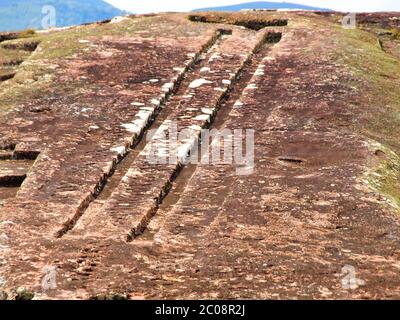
[378,75]
[385,177]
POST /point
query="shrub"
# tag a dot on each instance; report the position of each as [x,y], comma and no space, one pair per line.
[395,33]
[27,33]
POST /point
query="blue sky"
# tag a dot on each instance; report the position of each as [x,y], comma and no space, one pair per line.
[138,6]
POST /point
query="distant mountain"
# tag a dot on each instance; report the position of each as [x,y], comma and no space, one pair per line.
[262,5]
[22,14]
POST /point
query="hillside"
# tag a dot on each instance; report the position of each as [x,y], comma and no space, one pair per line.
[261,5]
[102,192]
[23,14]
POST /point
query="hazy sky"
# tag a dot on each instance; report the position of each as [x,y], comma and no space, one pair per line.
[144,6]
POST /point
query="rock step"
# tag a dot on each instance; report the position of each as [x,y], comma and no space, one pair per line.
[144,111]
[251,75]
[136,199]
[13,173]
[188,221]
[81,145]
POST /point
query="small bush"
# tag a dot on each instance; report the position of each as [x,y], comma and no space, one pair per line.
[27,33]
[395,33]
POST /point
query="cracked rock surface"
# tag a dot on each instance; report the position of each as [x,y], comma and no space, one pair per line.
[316,217]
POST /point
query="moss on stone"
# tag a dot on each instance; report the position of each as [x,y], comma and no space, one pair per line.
[379,75]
